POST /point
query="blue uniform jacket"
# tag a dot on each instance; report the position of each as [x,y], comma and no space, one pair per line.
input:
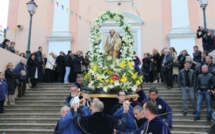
[155,126]
[66,125]
[164,110]
[130,123]
[3,90]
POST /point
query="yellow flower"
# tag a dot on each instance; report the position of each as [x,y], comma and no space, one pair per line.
[111,81]
[123,79]
[130,64]
[141,78]
[122,64]
[134,76]
[138,83]
[99,78]
[95,68]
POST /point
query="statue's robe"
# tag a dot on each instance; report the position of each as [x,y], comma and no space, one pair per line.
[109,45]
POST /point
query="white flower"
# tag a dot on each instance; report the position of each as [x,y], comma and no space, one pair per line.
[111,86]
[105,88]
[109,58]
[134,88]
[116,83]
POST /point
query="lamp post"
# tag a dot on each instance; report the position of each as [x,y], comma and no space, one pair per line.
[31,5]
[203,5]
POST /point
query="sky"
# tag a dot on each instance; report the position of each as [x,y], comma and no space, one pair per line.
[3,13]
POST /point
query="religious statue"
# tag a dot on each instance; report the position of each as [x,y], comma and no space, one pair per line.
[113,44]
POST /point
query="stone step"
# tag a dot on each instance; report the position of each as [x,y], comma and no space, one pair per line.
[184,121]
[30,115]
[190,128]
[29,120]
[181,132]
[26,131]
[27,125]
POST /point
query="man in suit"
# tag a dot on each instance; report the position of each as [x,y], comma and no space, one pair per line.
[167,65]
[110,41]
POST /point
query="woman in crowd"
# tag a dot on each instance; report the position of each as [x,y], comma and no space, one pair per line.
[60,66]
[11,48]
[11,76]
[146,66]
[49,68]
[22,55]
[5,44]
[32,70]
[156,64]
[175,64]
[3,92]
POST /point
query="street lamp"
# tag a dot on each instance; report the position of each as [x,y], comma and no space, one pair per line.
[203,5]
[31,5]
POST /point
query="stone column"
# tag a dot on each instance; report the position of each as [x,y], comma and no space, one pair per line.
[60,37]
[181,35]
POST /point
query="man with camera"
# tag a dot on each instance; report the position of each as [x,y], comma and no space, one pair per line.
[207,38]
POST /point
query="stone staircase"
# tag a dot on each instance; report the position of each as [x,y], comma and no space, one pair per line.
[39,110]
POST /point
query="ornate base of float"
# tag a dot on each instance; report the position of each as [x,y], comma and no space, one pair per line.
[109,99]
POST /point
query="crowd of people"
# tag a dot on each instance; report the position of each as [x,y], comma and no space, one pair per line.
[194,76]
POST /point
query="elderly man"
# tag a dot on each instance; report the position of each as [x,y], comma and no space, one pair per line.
[164,110]
[204,85]
[64,110]
[73,97]
[138,114]
[65,125]
[166,68]
[110,41]
[98,122]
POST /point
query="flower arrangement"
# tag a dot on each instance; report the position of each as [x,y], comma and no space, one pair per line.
[106,72]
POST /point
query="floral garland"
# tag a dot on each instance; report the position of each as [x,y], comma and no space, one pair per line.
[109,73]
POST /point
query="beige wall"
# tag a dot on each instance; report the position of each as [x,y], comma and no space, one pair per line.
[7,57]
[41,26]
[155,13]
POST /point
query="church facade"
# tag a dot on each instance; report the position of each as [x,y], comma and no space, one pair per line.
[62,25]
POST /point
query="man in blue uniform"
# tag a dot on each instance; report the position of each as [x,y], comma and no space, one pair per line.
[164,110]
[154,125]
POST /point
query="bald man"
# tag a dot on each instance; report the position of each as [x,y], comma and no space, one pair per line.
[110,41]
[204,85]
[98,122]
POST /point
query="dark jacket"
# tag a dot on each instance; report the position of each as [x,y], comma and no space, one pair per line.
[10,76]
[21,67]
[197,56]
[205,82]
[77,63]
[60,61]
[3,89]
[32,66]
[68,60]
[169,61]
[157,62]
[11,49]
[39,57]
[99,123]
[182,78]
[3,44]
